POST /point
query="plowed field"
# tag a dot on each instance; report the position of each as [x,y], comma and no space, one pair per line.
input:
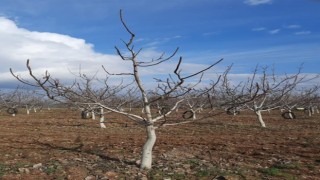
[58,144]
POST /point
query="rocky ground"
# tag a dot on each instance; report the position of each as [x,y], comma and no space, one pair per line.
[57,144]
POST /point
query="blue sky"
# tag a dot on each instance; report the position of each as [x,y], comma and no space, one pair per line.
[66,34]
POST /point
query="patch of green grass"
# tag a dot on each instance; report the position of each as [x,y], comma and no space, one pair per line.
[287,166]
[194,163]
[272,171]
[289,176]
[18,165]
[178,176]
[311,167]
[52,167]
[155,174]
[204,173]
[213,171]
[2,169]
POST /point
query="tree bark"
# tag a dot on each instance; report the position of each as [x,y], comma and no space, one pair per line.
[194,117]
[93,115]
[290,114]
[259,115]
[146,159]
[102,125]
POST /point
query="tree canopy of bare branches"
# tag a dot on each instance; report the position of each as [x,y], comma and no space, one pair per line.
[82,91]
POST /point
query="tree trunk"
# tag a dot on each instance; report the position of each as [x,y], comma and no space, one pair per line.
[93,115]
[102,125]
[194,117]
[309,111]
[27,108]
[146,159]
[259,115]
[290,114]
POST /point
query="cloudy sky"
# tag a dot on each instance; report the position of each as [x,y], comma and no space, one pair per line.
[68,35]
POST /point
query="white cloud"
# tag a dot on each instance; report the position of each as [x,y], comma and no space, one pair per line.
[49,51]
[259,29]
[302,33]
[60,54]
[293,26]
[158,41]
[257,2]
[210,33]
[274,31]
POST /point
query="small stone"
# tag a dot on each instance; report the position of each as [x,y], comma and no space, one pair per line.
[78,159]
[24,170]
[63,161]
[37,166]
[186,166]
[90,178]
[144,178]
[111,174]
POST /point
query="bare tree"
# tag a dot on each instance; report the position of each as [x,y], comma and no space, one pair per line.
[11,101]
[302,100]
[228,96]
[265,90]
[171,88]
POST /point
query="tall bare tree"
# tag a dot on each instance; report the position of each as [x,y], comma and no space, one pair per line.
[171,89]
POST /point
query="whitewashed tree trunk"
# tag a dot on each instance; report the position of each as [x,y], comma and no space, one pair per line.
[146,159]
[290,114]
[194,117]
[27,108]
[102,125]
[259,115]
[309,111]
[93,115]
[234,113]
[312,109]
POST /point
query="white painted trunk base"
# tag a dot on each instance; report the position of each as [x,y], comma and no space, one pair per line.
[146,159]
[259,115]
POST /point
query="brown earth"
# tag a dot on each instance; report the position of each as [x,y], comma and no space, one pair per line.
[57,144]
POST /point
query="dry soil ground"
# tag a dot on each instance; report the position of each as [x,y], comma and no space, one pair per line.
[57,144]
